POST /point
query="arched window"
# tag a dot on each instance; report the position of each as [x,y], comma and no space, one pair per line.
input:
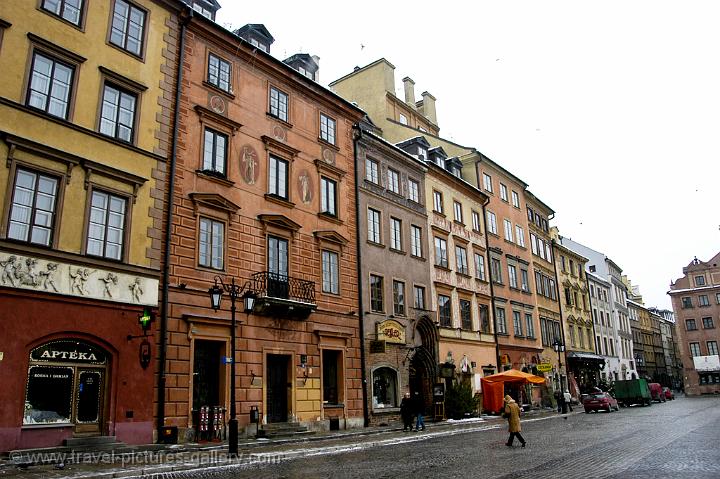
[384,388]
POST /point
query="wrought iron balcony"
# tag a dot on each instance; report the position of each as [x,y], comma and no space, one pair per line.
[283,295]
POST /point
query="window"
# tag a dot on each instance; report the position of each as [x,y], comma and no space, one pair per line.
[278,177]
[403,119]
[128,25]
[106,225]
[712,348]
[371,171]
[529,325]
[384,388]
[457,211]
[476,221]
[503,192]
[376,293]
[533,243]
[32,212]
[695,349]
[708,323]
[568,297]
[331,279]
[328,196]
[69,10]
[465,315]
[327,128]
[699,280]
[117,118]
[461,260]
[703,300]
[687,302]
[278,104]
[393,181]
[520,236]
[373,225]
[717,298]
[487,182]
[50,85]
[396,234]
[515,199]
[414,191]
[444,314]
[212,235]
[549,255]
[512,276]
[501,321]
[524,281]
[278,257]
[441,258]
[416,241]
[331,380]
[219,75]
[508,230]
[495,272]
[479,266]
[517,323]
[530,214]
[419,293]
[484,318]
[492,222]
[437,201]
[399,298]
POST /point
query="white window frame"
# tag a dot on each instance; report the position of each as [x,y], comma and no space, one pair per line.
[374,220]
[416,241]
[487,182]
[330,272]
[395,234]
[492,222]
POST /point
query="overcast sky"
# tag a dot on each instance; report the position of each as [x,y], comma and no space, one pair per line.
[609,110]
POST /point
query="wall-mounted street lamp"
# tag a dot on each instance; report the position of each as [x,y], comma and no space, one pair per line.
[235,291]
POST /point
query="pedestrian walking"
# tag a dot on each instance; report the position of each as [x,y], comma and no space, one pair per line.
[407,412]
[512,413]
[568,399]
[419,410]
[560,396]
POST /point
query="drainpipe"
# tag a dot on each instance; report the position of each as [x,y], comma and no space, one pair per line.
[168,226]
[361,312]
[492,290]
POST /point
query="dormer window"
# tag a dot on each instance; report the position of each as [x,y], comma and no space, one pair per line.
[440,161]
[307,73]
[261,46]
[422,153]
[203,11]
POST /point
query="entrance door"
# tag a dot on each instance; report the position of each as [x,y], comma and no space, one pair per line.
[277,388]
[206,373]
[88,407]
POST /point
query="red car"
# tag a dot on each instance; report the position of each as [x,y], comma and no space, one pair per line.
[668,393]
[600,401]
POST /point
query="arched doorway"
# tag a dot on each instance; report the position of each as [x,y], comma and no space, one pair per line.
[66,384]
[424,363]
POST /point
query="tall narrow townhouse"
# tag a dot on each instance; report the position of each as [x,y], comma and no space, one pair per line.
[585,367]
[84,133]
[604,268]
[264,198]
[400,336]
[668,334]
[606,336]
[647,338]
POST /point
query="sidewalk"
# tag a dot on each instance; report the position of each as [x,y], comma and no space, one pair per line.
[159,458]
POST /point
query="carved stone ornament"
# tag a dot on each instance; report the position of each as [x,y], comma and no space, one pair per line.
[217,104]
[305,187]
[328,156]
[249,164]
[279,133]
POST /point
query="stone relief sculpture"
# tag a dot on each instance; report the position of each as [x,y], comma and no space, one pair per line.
[47,278]
[79,280]
[8,270]
[249,164]
[109,280]
[136,290]
[305,186]
[27,276]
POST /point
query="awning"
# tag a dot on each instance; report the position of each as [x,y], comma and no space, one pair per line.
[585,356]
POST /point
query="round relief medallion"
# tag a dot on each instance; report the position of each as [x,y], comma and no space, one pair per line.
[249,164]
[328,156]
[279,133]
[217,104]
[305,187]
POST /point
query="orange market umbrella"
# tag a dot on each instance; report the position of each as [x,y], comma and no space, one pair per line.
[493,386]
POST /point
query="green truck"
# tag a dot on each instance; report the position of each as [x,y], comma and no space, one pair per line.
[632,391]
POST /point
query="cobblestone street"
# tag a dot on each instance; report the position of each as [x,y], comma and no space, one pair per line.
[676,439]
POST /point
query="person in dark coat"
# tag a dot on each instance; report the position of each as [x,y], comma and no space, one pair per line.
[512,413]
[407,412]
[419,409]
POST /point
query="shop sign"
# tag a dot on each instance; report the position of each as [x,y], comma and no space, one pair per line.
[68,351]
[391,331]
[544,367]
[377,347]
[707,363]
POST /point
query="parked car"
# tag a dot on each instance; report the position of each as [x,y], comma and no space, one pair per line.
[632,391]
[656,392]
[668,393]
[600,401]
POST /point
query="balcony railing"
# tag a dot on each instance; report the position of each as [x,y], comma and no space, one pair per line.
[274,285]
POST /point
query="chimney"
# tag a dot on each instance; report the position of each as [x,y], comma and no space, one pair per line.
[429,107]
[409,91]
[316,59]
